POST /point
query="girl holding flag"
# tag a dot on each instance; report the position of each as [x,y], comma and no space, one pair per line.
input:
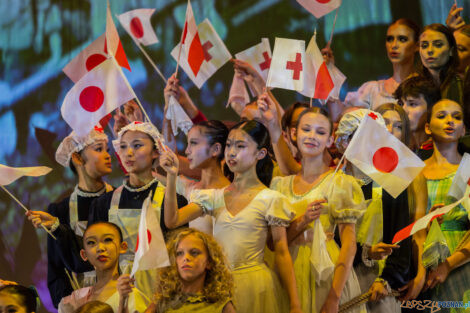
[89,160]
[138,146]
[245,212]
[449,273]
[323,270]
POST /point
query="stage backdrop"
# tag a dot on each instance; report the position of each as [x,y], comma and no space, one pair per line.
[39,37]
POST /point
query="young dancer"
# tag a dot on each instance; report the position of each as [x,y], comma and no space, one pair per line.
[137,145]
[89,159]
[308,190]
[245,212]
[17,298]
[102,246]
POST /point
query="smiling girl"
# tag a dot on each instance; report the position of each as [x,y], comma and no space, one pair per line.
[137,145]
[245,212]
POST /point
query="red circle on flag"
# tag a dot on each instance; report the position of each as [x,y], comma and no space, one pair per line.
[94,60]
[136,28]
[91,98]
[149,236]
[385,159]
[323,1]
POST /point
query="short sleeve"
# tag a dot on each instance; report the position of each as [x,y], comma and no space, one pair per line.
[184,186]
[362,97]
[275,183]
[205,199]
[279,212]
[345,199]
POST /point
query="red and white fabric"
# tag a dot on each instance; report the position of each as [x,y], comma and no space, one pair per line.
[96,94]
[383,157]
[317,80]
[87,59]
[10,174]
[215,54]
[258,56]
[113,43]
[338,79]
[320,7]
[137,25]
[287,64]
[150,251]
[178,117]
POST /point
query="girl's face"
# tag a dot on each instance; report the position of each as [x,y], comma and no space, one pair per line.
[463,49]
[192,259]
[434,49]
[400,44]
[241,151]
[446,124]
[416,109]
[102,247]
[313,134]
[97,159]
[393,123]
[11,303]
[198,150]
[137,151]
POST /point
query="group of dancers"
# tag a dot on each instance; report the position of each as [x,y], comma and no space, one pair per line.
[245,208]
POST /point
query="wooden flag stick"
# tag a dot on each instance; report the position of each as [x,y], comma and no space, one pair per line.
[26,209]
[333,28]
[151,62]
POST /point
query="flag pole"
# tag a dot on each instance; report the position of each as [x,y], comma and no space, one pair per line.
[181,45]
[333,28]
[26,209]
[151,62]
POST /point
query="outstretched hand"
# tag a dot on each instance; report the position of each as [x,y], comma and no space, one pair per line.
[454,20]
[381,250]
[39,218]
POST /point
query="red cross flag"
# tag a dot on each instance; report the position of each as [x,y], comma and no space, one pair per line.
[96,94]
[320,7]
[383,157]
[215,54]
[150,250]
[113,43]
[87,59]
[287,64]
[258,56]
[10,174]
[137,25]
[318,83]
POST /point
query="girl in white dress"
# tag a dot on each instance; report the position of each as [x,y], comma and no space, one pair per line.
[245,212]
[322,287]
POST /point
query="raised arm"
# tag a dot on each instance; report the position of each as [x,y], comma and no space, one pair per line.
[175,217]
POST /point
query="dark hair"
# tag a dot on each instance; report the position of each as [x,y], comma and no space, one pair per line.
[118,229]
[411,25]
[73,168]
[416,86]
[286,119]
[259,133]
[215,132]
[95,307]
[316,110]
[429,115]
[405,135]
[449,69]
[28,296]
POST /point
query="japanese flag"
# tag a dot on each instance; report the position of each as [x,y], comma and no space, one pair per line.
[215,54]
[10,174]
[461,178]
[96,94]
[320,7]
[287,64]
[87,59]
[137,25]
[383,157]
[113,43]
[317,80]
[150,249]
[258,56]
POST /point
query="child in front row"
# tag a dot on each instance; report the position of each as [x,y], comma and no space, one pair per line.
[102,246]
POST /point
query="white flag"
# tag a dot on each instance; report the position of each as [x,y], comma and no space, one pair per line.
[151,250]
[461,179]
[178,117]
[215,54]
[338,80]
[10,174]
[383,157]
[287,64]
[96,94]
[138,26]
